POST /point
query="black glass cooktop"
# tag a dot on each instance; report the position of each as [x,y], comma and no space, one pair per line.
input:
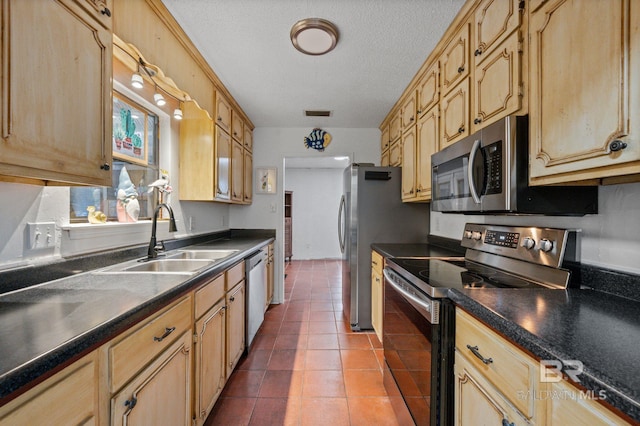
[459,274]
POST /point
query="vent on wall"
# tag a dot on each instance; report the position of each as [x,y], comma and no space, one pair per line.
[317,113]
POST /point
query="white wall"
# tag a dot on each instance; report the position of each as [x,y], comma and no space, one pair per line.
[271,146]
[316,200]
[610,239]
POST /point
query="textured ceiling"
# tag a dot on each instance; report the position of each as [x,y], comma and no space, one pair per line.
[382,45]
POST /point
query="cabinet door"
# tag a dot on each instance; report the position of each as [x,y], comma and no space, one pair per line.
[409,164]
[235,326]
[408,112]
[248,138]
[494,22]
[210,370]
[237,172]
[475,398]
[248,177]
[197,159]
[56,93]
[455,60]
[384,159]
[429,89]
[161,393]
[70,397]
[395,154]
[580,116]
[270,277]
[428,133]
[395,127]
[237,128]
[497,83]
[223,113]
[223,165]
[455,115]
[384,139]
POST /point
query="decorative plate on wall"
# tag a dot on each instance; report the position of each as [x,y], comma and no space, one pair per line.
[318,139]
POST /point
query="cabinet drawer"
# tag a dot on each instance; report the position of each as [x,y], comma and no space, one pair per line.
[234,276]
[510,370]
[207,295]
[132,352]
[376,262]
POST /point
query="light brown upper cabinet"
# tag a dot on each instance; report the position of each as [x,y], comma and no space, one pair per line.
[395,127]
[584,101]
[56,97]
[237,127]
[455,60]
[248,177]
[497,53]
[248,138]
[455,107]
[237,172]
[385,142]
[197,154]
[428,132]
[223,113]
[223,165]
[395,154]
[408,112]
[429,89]
[408,143]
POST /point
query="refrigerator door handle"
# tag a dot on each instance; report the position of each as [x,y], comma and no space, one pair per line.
[341,214]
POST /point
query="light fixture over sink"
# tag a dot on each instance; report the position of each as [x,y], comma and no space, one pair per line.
[314,36]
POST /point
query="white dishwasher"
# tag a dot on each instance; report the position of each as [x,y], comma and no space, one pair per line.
[256,273]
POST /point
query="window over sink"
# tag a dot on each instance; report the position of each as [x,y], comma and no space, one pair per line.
[135,147]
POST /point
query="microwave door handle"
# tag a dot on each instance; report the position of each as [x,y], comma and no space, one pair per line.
[472,184]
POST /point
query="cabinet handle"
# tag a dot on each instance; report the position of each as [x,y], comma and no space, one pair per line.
[617,145]
[167,332]
[106,12]
[131,402]
[478,355]
[506,422]
[232,299]
[411,119]
[419,111]
[460,70]
[478,52]
[477,120]
[219,118]
[105,166]
[461,129]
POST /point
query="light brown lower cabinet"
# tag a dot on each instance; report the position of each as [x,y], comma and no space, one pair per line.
[235,326]
[210,371]
[161,393]
[69,397]
[270,277]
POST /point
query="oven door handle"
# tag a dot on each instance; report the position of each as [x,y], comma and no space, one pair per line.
[427,306]
[472,184]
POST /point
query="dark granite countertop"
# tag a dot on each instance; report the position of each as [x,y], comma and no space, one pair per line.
[600,330]
[445,249]
[49,325]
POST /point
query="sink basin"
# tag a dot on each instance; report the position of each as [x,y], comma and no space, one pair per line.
[168,265]
[202,254]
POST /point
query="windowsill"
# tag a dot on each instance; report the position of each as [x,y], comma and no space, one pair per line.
[78,238]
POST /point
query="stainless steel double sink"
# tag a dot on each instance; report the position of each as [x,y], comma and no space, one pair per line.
[180,262]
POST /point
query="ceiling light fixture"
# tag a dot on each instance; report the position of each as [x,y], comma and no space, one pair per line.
[314,36]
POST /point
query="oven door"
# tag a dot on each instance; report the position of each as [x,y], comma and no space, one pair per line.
[415,345]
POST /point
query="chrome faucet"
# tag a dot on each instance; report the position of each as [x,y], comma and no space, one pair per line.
[153,247]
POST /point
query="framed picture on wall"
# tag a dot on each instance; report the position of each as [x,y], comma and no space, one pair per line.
[266,179]
[131,128]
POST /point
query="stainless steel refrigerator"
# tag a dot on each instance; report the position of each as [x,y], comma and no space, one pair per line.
[371,211]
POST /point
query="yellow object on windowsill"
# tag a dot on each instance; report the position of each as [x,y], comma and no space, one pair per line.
[96,216]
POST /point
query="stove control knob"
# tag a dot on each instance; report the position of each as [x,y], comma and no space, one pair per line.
[546,245]
[476,235]
[528,243]
[467,235]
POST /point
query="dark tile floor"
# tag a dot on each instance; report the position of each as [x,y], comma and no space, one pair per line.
[306,366]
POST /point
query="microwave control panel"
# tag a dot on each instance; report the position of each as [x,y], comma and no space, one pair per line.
[493,167]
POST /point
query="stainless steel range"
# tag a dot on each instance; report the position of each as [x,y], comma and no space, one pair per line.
[418,323]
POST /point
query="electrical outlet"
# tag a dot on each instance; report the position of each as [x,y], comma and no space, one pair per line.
[42,235]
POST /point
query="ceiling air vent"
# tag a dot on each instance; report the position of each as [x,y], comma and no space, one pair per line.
[317,113]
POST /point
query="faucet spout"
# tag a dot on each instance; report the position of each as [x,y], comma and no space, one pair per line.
[152,252]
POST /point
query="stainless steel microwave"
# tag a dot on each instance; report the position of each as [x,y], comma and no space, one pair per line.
[487,173]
